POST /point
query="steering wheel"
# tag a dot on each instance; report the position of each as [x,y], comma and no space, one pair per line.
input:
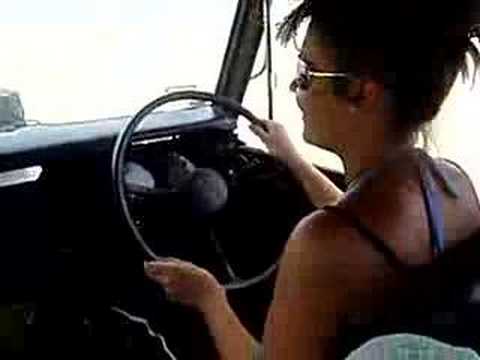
[119,162]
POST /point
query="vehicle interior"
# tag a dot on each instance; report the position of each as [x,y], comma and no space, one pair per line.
[79,198]
[69,256]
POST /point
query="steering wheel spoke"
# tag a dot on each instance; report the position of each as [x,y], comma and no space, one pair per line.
[221,255]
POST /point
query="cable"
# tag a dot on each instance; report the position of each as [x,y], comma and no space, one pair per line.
[269,59]
[262,70]
[145,322]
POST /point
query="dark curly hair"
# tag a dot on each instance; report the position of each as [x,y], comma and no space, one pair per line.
[415,48]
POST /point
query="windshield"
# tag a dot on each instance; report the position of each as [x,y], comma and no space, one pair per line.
[81,60]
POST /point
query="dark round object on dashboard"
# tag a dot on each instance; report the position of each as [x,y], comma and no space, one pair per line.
[208,192]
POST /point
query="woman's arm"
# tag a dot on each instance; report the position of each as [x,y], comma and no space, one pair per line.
[318,187]
[231,338]
[193,286]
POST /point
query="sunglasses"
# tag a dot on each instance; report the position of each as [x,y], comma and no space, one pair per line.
[305,76]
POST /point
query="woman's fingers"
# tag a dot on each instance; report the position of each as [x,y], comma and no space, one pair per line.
[261,133]
[267,125]
[165,263]
[184,282]
[263,130]
[161,269]
[161,272]
[167,269]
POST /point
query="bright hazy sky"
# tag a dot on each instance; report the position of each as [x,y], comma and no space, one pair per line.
[74,60]
[83,59]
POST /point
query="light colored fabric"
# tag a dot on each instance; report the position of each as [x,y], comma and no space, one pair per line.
[410,347]
[257,351]
[400,347]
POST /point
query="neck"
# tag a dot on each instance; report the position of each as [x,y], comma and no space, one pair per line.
[359,158]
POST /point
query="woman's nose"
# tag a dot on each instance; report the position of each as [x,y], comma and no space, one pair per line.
[294,85]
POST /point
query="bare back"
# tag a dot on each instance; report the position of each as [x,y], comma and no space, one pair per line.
[393,205]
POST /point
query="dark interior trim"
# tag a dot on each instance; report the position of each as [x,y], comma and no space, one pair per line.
[243,44]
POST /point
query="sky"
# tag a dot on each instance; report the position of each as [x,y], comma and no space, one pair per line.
[81,60]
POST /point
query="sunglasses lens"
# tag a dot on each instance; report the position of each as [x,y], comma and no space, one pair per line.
[302,80]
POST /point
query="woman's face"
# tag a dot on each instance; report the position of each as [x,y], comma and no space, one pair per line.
[325,115]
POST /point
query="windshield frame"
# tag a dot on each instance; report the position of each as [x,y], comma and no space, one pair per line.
[242,48]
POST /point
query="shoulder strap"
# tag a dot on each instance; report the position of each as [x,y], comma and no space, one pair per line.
[467,177]
[433,200]
[449,188]
[368,234]
[433,206]
[433,203]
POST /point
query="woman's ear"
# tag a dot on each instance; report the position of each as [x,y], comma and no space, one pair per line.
[365,93]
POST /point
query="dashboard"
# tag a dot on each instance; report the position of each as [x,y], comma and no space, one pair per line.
[66,251]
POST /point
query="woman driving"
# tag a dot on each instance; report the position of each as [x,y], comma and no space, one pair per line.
[370,77]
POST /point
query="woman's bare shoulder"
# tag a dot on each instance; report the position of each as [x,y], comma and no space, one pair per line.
[327,238]
[392,204]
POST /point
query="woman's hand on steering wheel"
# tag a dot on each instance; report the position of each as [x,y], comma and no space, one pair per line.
[276,139]
[186,283]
